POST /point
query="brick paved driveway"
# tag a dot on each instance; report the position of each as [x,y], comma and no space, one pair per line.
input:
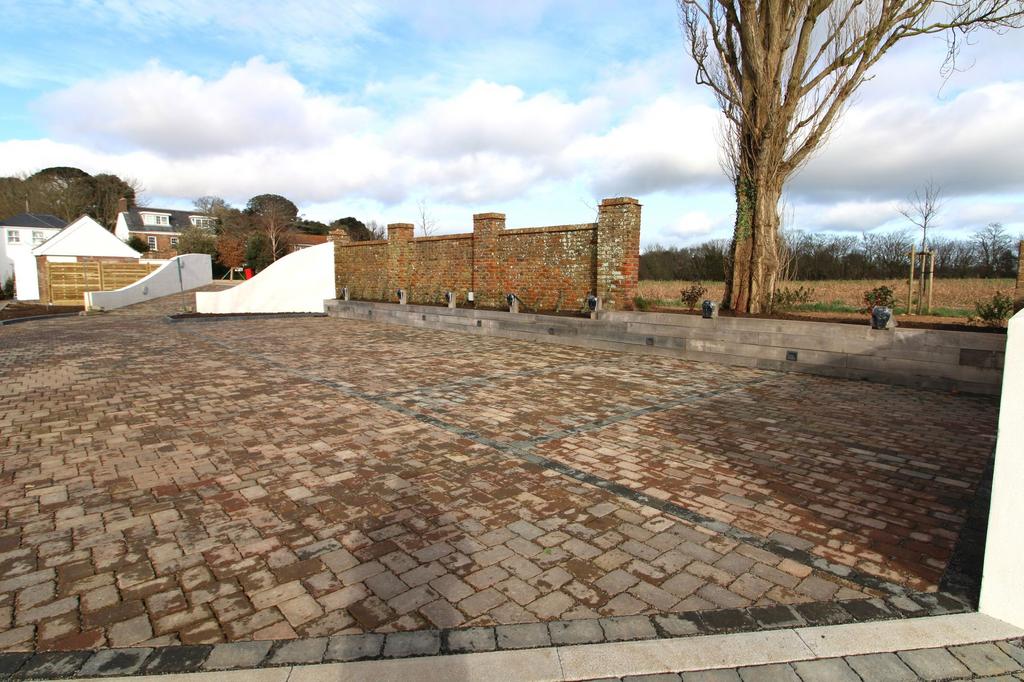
[237,479]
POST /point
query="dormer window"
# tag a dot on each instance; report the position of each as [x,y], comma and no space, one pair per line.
[156,219]
[203,222]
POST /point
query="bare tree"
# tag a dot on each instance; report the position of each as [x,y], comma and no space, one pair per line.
[922,208]
[377,231]
[783,73]
[427,224]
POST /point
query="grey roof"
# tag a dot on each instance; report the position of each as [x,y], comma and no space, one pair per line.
[179,220]
[34,220]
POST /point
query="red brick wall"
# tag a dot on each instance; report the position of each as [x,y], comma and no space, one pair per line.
[548,268]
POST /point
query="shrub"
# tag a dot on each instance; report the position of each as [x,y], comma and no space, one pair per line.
[693,294]
[993,312]
[138,243]
[883,296]
[641,303]
[8,289]
[786,298]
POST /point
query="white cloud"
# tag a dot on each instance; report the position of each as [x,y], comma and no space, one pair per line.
[177,115]
[846,216]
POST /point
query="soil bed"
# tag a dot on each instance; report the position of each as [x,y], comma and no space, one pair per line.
[15,310]
[954,324]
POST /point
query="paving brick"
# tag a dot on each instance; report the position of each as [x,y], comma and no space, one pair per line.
[768,673]
[237,655]
[881,668]
[420,643]
[49,664]
[575,632]
[354,647]
[177,659]
[628,628]
[471,640]
[298,652]
[712,676]
[658,677]
[524,636]
[825,670]
[934,664]
[985,659]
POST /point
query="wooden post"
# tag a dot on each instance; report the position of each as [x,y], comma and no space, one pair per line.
[910,282]
[931,278]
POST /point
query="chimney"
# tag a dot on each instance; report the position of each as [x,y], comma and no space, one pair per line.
[122,205]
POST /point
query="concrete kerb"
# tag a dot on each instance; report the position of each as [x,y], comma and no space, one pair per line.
[37,318]
[621,659]
[655,630]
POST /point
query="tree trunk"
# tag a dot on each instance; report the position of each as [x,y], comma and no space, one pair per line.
[754,262]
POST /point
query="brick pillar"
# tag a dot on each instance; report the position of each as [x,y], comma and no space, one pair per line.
[1018,292]
[339,236]
[487,278]
[618,252]
[399,240]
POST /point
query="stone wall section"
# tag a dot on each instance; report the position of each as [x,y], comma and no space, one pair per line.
[547,268]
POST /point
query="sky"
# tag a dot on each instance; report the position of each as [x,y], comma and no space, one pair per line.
[535,108]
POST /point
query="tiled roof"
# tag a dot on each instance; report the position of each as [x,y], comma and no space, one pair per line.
[34,220]
[179,220]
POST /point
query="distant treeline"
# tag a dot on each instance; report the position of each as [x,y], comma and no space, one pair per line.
[990,252]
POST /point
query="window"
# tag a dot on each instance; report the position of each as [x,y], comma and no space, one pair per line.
[152,243]
[38,237]
[155,219]
[200,221]
[13,236]
[174,242]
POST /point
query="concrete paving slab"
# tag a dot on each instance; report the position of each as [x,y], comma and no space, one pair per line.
[535,665]
[897,635]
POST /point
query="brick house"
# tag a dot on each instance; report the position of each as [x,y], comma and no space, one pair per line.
[302,240]
[160,228]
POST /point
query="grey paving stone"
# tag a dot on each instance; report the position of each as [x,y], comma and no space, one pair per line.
[626,628]
[822,613]
[1013,651]
[778,672]
[54,664]
[419,643]
[864,610]
[299,651]
[985,659]
[679,624]
[237,655]
[178,659]
[712,676]
[778,616]
[881,668]
[934,664]
[575,632]
[938,603]
[10,662]
[525,636]
[825,670]
[115,662]
[471,640]
[1001,678]
[905,606]
[727,620]
[354,647]
[658,677]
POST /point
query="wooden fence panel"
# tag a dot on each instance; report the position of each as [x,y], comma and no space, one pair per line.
[68,282]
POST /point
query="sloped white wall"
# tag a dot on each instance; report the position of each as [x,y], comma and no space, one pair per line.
[196,270]
[298,283]
[1002,584]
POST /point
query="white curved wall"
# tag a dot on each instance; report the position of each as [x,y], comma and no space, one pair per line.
[196,270]
[298,283]
[1002,582]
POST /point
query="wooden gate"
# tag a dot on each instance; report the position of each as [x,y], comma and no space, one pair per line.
[68,282]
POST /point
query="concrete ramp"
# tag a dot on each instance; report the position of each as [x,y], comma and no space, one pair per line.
[298,283]
[181,273]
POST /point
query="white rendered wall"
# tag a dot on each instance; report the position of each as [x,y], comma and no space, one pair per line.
[1002,584]
[26,275]
[195,271]
[298,283]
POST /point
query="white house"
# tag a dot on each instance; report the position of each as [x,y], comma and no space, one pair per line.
[18,236]
[83,239]
[158,227]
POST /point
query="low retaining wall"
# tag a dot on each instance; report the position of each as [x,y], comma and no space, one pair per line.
[181,273]
[298,283]
[966,361]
